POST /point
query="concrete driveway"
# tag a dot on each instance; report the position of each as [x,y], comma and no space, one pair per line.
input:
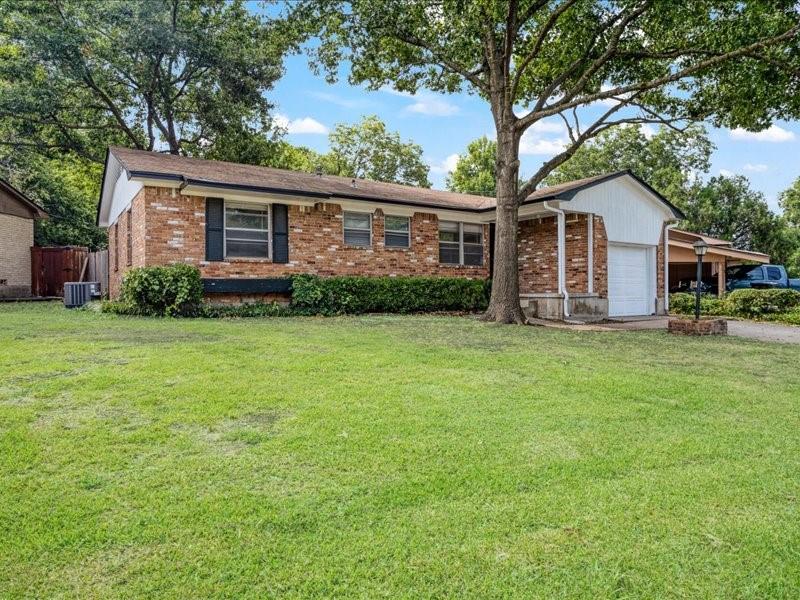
[765,332]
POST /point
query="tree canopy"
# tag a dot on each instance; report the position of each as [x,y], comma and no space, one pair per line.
[790,203]
[595,65]
[367,150]
[474,172]
[728,208]
[176,75]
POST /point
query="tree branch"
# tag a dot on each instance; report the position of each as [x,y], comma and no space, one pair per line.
[663,80]
[443,62]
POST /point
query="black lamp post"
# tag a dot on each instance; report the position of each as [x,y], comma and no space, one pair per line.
[700,249]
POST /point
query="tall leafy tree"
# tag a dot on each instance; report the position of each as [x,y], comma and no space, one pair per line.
[728,208]
[790,203]
[368,150]
[474,172]
[648,61]
[177,75]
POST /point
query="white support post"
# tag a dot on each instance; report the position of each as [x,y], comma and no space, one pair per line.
[561,254]
[590,253]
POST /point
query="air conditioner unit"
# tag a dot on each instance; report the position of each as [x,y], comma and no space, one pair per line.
[77,294]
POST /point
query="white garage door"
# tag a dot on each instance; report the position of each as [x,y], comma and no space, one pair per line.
[629,280]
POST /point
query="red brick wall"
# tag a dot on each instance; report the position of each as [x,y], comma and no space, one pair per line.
[173,230]
[600,258]
[660,291]
[538,255]
[577,253]
[118,248]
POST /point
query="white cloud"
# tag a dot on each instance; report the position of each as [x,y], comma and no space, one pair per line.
[343,102]
[757,168]
[545,126]
[426,103]
[726,173]
[431,105]
[533,145]
[448,165]
[772,134]
[300,126]
[536,141]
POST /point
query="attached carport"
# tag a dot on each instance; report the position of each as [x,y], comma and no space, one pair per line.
[721,255]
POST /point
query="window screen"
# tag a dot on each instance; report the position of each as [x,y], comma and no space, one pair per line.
[449,243]
[397,232]
[246,231]
[357,229]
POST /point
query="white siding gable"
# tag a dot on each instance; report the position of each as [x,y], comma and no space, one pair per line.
[125,190]
[631,213]
[117,192]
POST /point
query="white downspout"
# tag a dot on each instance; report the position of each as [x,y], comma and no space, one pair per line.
[561,254]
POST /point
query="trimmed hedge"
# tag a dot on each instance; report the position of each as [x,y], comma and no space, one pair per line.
[683,304]
[756,303]
[745,303]
[177,291]
[252,309]
[354,295]
[172,291]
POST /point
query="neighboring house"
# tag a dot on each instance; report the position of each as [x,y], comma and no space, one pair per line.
[592,247]
[17,213]
[721,255]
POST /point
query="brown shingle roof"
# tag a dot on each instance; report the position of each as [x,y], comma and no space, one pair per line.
[199,171]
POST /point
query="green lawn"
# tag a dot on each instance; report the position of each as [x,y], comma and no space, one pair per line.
[391,456]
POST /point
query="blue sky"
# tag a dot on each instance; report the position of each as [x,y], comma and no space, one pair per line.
[444,124]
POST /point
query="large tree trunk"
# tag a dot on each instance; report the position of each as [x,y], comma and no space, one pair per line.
[504,304]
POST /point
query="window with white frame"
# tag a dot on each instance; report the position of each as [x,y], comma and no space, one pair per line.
[357,229]
[397,231]
[460,243]
[472,242]
[246,230]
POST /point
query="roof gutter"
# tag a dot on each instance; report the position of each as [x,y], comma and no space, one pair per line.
[562,255]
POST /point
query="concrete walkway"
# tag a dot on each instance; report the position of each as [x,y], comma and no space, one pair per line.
[765,332]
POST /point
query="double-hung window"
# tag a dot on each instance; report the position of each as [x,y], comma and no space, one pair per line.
[460,243]
[358,229]
[246,230]
[397,231]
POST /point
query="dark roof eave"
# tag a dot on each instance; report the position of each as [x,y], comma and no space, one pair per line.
[290,192]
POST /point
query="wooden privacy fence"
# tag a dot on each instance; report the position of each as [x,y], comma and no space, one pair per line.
[97,269]
[52,267]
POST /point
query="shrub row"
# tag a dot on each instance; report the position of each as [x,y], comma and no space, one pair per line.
[177,291]
[354,295]
[755,303]
[747,303]
[683,304]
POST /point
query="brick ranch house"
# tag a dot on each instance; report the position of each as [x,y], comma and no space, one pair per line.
[593,247]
